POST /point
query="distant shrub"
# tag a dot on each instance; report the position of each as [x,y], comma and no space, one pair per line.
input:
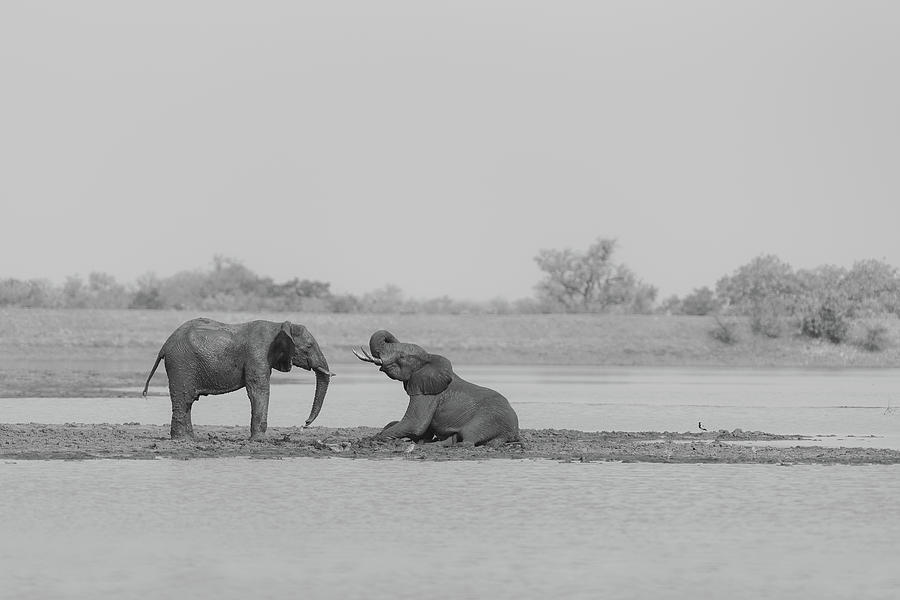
[827,322]
[147,298]
[670,306]
[874,287]
[764,287]
[147,293]
[766,319]
[702,301]
[875,339]
[32,293]
[725,332]
[344,303]
[591,282]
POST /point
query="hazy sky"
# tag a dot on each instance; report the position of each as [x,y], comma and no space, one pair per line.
[439,145]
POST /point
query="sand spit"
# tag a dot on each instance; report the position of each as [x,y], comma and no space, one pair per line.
[77,441]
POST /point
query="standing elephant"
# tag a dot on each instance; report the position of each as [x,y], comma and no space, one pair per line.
[442,405]
[204,357]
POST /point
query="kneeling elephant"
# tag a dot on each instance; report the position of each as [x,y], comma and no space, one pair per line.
[442,405]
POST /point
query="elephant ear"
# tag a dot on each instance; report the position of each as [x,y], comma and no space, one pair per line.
[281,349]
[433,378]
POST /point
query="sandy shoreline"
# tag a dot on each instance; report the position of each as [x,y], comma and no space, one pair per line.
[78,441]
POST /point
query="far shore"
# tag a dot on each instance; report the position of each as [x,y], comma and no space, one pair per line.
[99,353]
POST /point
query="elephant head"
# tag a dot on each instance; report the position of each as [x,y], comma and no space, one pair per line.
[422,373]
[295,346]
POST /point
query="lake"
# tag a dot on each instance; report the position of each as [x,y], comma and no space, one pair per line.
[339,528]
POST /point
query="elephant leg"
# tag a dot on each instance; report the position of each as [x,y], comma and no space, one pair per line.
[476,432]
[259,410]
[448,441]
[416,423]
[182,401]
[425,438]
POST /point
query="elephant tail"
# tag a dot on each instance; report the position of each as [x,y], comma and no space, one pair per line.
[159,357]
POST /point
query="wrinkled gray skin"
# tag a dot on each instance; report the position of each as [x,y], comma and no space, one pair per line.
[443,406]
[204,357]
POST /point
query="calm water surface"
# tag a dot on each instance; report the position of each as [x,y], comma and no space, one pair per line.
[339,528]
[844,407]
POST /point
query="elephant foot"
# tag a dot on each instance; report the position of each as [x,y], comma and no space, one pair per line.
[181,426]
[456,440]
[258,427]
[448,441]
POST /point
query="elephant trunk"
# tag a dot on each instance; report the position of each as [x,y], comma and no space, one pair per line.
[378,341]
[323,377]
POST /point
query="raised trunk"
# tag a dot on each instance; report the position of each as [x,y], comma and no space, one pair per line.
[378,340]
[322,379]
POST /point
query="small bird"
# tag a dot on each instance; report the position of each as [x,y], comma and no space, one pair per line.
[700,425]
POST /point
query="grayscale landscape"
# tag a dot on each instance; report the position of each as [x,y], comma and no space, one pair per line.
[449,300]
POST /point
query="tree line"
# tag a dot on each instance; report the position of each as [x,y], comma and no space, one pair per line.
[229,285]
[821,301]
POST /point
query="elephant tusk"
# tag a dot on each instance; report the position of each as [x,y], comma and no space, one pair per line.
[377,361]
[325,372]
[365,356]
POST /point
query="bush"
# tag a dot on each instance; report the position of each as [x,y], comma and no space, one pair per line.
[765,319]
[766,283]
[147,298]
[828,323]
[670,306]
[580,282]
[725,332]
[702,301]
[33,293]
[876,338]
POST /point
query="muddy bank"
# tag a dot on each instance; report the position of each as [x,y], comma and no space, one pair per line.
[75,441]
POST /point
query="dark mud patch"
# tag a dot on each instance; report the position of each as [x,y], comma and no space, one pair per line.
[77,441]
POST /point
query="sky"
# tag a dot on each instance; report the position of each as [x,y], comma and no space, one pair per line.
[438,146]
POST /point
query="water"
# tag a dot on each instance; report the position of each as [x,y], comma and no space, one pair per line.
[838,407]
[339,528]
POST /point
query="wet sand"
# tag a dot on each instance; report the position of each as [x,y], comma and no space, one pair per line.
[77,441]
